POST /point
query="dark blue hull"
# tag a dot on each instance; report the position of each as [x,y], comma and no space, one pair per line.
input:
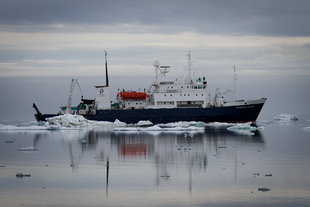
[246,113]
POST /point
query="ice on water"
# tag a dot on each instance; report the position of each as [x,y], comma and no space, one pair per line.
[67,120]
[244,128]
[77,122]
[306,129]
[27,149]
[285,117]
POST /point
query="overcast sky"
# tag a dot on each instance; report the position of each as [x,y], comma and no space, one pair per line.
[68,37]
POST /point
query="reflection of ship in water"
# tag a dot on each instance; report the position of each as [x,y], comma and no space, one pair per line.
[168,152]
[147,145]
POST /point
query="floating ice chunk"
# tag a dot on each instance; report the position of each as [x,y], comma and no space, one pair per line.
[158,128]
[27,149]
[13,128]
[67,120]
[285,118]
[119,123]
[53,127]
[126,129]
[144,123]
[219,124]
[152,128]
[245,128]
[306,129]
[182,124]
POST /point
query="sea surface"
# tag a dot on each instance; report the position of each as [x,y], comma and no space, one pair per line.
[177,164]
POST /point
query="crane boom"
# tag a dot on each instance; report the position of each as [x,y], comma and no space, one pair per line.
[72,85]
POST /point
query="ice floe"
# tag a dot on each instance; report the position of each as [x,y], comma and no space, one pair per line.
[182,124]
[67,120]
[119,123]
[144,123]
[306,129]
[13,127]
[159,128]
[285,118]
[77,122]
[27,149]
[219,124]
[244,128]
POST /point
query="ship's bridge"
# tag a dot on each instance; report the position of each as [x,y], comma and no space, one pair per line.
[170,94]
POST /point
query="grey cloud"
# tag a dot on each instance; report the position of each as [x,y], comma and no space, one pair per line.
[257,17]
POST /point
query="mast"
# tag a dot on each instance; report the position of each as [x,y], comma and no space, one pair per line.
[106,69]
[235,84]
[189,69]
[156,65]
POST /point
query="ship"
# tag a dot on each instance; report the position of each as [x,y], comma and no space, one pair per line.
[164,101]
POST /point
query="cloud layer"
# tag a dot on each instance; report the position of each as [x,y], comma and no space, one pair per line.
[44,38]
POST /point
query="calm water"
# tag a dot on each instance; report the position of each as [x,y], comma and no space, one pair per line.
[215,167]
[212,168]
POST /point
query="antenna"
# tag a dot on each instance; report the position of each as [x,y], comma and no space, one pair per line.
[156,65]
[235,84]
[189,69]
[106,69]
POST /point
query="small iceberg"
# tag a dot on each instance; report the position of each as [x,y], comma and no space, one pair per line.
[183,124]
[306,129]
[144,123]
[285,118]
[158,128]
[27,149]
[67,120]
[118,123]
[14,128]
[245,129]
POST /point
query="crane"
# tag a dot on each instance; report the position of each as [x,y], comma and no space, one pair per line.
[72,85]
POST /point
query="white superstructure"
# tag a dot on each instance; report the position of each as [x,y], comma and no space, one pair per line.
[168,94]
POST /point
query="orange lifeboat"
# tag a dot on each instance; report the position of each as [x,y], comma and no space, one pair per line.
[126,95]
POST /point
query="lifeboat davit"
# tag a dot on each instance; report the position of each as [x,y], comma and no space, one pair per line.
[125,95]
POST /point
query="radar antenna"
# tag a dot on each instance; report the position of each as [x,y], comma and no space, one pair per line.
[164,69]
